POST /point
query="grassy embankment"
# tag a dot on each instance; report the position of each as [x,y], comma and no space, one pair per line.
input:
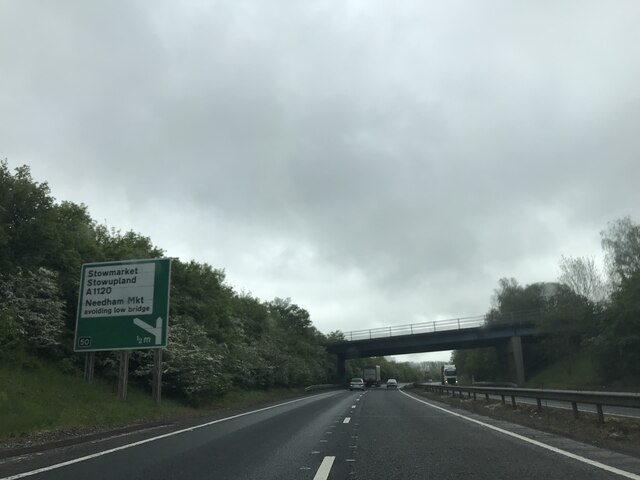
[578,372]
[573,372]
[38,396]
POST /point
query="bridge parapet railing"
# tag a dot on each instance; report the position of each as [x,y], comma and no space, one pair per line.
[416,328]
[440,325]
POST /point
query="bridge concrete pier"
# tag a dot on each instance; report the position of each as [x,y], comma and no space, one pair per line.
[506,339]
[341,369]
[510,352]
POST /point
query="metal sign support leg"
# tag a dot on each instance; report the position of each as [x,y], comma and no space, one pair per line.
[123,375]
[89,366]
[157,376]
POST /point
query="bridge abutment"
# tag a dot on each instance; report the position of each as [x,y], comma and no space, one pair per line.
[511,352]
[341,369]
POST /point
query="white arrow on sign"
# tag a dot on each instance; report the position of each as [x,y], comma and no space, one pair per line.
[155,331]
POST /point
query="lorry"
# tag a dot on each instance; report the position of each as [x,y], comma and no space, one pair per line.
[371,376]
[449,374]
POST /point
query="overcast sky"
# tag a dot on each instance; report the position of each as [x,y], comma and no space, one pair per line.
[379,162]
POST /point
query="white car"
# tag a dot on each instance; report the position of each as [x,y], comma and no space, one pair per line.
[392,383]
[356,384]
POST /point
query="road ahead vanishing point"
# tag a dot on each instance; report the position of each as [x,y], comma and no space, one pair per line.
[377,434]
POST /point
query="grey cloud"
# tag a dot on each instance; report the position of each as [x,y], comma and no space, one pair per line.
[427,147]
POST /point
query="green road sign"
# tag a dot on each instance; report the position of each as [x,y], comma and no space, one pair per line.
[123,305]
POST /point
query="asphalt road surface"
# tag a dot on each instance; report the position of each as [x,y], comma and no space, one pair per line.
[377,434]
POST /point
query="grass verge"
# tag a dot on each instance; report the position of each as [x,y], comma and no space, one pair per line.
[575,372]
[40,397]
[39,402]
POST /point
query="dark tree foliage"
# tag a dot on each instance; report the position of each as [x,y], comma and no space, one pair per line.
[27,220]
[219,339]
[621,243]
[569,319]
[222,339]
[401,371]
[618,344]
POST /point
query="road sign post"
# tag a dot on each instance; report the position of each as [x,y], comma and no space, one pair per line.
[89,366]
[123,375]
[156,386]
[123,305]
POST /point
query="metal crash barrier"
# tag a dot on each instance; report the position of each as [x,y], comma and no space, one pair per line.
[574,397]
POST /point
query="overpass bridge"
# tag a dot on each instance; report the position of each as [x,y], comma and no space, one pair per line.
[452,334]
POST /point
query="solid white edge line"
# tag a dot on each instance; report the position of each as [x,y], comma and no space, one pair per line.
[147,440]
[593,463]
[324,469]
[346,420]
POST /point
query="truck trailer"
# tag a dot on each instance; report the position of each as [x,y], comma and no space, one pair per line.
[449,374]
[371,376]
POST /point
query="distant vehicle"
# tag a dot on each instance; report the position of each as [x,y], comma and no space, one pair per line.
[449,374]
[356,384]
[392,383]
[371,376]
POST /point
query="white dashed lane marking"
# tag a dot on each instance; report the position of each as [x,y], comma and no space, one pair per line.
[324,469]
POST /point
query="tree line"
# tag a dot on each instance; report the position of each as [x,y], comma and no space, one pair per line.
[587,309]
[219,339]
[222,339]
[401,371]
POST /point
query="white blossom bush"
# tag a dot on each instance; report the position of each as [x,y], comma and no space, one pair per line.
[192,363]
[31,309]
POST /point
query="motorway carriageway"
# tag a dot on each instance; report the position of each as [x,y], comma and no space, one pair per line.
[377,434]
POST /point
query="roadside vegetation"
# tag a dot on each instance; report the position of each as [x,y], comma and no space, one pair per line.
[229,346]
[53,399]
[219,339]
[592,320]
[224,346]
[39,395]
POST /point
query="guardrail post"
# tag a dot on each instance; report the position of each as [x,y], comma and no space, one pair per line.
[474,396]
[600,414]
[390,334]
[458,324]
[574,406]
[486,396]
[434,326]
[539,402]
[411,328]
[369,334]
[503,402]
[513,401]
